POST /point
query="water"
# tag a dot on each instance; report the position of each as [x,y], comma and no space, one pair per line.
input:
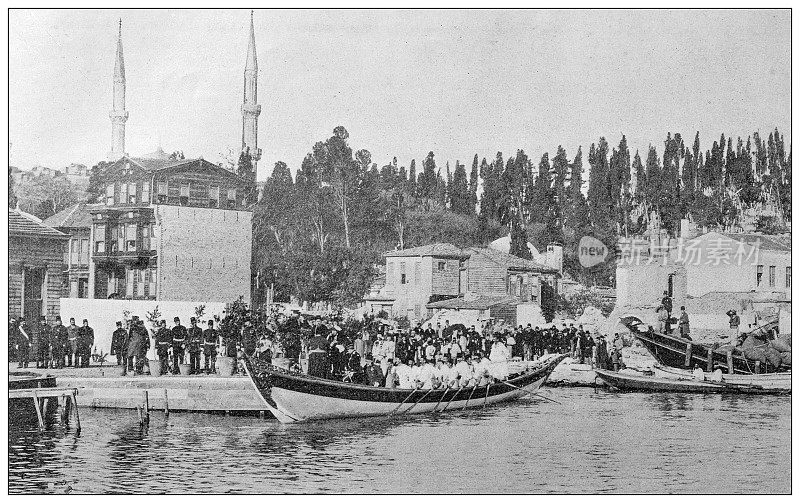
[591,443]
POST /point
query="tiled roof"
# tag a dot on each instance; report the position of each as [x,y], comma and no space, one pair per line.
[154,164]
[76,216]
[478,303]
[22,224]
[432,250]
[782,243]
[510,261]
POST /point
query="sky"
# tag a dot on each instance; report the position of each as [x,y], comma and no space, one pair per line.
[403,83]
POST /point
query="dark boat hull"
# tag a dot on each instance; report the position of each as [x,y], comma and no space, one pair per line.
[295,397]
[680,353]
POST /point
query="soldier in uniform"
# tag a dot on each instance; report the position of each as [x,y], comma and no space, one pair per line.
[163,343]
[210,348]
[72,340]
[138,341]
[85,343]
[118,343]
[59,341]
[195,344]
[24,340]
[179,335]
[43,344]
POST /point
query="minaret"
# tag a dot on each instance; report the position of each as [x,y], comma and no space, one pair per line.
[250,108]
[118,113]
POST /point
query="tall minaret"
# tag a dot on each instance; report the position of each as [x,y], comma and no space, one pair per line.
[250,108]
[118,113]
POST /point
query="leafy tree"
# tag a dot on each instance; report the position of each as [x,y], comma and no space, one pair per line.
[12,198]
[44,196]
[97,181]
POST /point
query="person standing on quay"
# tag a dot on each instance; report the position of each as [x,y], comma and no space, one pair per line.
[23,344]
[72,339]
[137,347]
[85,343]
[59,342]
[210,348]
[734,322]
[195,343]
[179,335]
[118,343]
[43,335]
[163,343]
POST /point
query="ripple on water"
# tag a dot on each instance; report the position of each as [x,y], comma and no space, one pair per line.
[591,443]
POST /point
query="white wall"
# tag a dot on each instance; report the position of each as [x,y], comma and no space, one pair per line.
[103,314]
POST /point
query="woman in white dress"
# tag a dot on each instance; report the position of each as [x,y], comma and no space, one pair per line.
[499,357]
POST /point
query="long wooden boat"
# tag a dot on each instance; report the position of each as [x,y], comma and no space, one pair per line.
[293,397]
[777,381]
[674,351]
[634,382]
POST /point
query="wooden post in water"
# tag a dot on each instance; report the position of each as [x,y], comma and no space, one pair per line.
[166,403]
[710,362]
[37,405]
[146,407]
[77,415]
[688,361]
[60,410]
[730,361]
[139,411]
[758,367]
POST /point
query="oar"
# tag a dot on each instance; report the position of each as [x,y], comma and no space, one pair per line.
[532,393]
[440,399]
[418,401]
[451,399]
[487,395]
[470,396]
[403,402]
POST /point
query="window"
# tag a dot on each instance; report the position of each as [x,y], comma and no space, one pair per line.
[123,193]
[231,198]
[151,284]
[198,194]
[146,237]
[110,195]
[788,277]
[84,256]
[441,266]
[100,238]
[184,200]
[145,192]
[161,196]
[74,251]
[416,276]
[131,193]
[402,273]
[213,196]
[759,274]
[83,288]
[118,238]
[140,282]
[130,237]
[129,283]
[772,275]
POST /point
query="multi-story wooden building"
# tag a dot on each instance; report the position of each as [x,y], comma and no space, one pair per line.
[76,222]
[171,230]
[35,263]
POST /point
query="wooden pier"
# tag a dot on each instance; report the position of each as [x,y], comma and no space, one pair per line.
[43,399]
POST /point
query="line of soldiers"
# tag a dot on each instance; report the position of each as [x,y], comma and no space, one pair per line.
[51,346]
[170,344]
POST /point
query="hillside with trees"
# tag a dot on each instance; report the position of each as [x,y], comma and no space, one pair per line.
[318,235]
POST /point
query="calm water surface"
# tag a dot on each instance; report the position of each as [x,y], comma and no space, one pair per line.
[591,442]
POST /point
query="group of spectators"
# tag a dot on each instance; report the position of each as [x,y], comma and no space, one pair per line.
[49,346]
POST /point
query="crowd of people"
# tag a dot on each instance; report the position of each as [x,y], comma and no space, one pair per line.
[49,346]
[369,351]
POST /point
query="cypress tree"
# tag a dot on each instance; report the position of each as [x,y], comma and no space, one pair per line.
[460,196]
[473,186]
[599,196]
[412,179]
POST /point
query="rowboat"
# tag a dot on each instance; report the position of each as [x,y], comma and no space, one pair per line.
[776,381]
[674,351]
[634,382]
[294,397]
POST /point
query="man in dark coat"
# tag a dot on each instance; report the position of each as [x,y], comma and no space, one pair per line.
[210,348]
[318,356]
[59,340]
[373,373]
[195,344]
[118,343]
[138,344]
[43,335]
[85,343]
[163,343]
[179,336]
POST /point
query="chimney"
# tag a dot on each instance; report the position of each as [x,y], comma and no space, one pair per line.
[555,257]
